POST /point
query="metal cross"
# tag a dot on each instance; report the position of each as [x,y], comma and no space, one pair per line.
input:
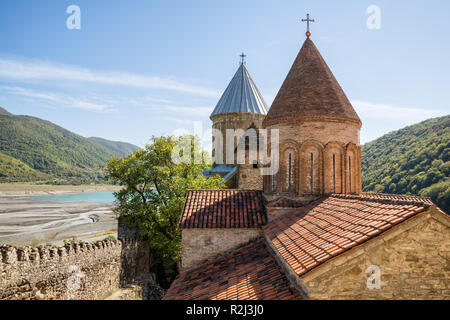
[242,55]
[308,20]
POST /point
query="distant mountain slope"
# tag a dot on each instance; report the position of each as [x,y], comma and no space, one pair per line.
[4,112]
[119,149]
[50,149]
[412,160]
[15,170]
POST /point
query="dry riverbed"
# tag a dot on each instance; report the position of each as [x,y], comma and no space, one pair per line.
[24,221]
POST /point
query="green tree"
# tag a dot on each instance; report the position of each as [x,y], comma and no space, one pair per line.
[155,182]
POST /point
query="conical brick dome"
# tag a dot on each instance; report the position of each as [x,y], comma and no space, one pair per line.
[310,91]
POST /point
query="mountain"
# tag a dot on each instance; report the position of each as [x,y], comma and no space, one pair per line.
[119,149]
[412,160]
[34,149]
[4,112]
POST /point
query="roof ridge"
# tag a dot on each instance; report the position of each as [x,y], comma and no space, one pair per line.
[388,198]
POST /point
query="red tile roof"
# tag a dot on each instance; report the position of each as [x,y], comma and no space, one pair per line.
[223,209]
[309,236]
[249,273]
[284,202]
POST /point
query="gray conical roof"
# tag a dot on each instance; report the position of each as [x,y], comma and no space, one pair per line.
[241,95]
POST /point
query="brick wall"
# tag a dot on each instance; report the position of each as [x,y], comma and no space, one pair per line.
[312,145]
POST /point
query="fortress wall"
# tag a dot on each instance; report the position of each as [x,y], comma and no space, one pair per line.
[82,271]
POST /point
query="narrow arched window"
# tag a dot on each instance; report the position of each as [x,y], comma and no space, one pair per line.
[350,174]
[290,171]
[312,172]
[334,173]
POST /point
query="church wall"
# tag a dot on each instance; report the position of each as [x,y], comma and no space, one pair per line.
[315,142]
[201,245]
[234,121]
[250,178]
[414,260]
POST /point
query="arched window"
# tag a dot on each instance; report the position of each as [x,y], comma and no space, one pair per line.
[334,173]
[350,174]
[311,170]
[288,172]
[290,182]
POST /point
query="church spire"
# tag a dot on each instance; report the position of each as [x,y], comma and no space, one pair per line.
[241,95]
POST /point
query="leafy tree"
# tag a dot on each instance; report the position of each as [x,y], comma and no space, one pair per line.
[155,184]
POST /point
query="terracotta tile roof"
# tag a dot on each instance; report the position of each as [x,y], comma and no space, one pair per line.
[285,203]
[309,236]
[250,273]
[224,209]
[310,90]
[390,198]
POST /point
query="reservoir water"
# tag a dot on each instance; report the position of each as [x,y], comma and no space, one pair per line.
[78,197]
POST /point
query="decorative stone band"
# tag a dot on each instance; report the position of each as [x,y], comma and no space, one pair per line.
[294,119]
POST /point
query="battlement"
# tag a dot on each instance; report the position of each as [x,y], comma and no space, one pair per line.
[77,270]
[14,254]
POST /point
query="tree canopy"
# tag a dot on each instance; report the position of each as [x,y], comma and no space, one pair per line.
[413,160]
[155,184]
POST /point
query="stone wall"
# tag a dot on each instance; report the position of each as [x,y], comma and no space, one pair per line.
[81,271]
[249,178]
[201,245]
[75,271]
[413,259]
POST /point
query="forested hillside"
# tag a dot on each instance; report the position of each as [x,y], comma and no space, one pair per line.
[119,149]
[33,149]
[412,160]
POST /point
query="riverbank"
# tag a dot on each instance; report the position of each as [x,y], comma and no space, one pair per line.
[30,189]
[27,222]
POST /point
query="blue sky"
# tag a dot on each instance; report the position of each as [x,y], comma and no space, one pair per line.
[145,67]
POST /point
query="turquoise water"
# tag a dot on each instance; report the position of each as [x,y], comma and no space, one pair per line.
[77,197]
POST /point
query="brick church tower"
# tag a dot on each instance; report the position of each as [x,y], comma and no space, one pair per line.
[240,108]
[319,149]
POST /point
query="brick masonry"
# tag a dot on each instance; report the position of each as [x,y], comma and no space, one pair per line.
[311,145]
[248,177]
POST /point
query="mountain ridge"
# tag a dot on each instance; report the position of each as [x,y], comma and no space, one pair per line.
[52,150]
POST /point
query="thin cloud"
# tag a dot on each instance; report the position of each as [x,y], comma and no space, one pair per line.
[392,112]
[60,99]
[39,70]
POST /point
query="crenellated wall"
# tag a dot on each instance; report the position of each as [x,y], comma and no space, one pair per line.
[75,271]
[81,271]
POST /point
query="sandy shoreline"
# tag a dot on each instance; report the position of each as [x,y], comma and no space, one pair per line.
[17,190]
[24,221]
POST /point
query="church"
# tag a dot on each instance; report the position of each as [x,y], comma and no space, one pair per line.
[307,231]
